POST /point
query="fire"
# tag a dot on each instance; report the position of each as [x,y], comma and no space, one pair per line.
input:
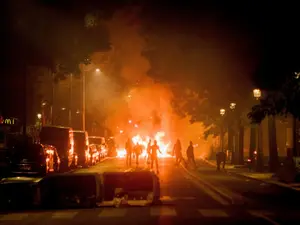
[163,147]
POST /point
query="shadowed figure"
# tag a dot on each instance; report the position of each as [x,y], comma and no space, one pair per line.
[221,158]
[129,149]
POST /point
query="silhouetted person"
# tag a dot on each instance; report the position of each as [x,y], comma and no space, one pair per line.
[190,154]
[221,158]
[149,152]
[129,149]
[137,151]
[177,151]
[154,157]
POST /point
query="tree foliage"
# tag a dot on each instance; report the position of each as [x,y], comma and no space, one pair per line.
[281,102]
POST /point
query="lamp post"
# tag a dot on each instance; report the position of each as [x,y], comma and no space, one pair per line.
[97,70]
[40,117]
[232,105]
[231,133]
[259,158]
[222,113]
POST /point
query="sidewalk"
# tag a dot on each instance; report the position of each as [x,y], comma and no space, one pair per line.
[264,177]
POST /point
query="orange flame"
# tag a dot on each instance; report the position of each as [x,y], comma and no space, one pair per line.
[163,147]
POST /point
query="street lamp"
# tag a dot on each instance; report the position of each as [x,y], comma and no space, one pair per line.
[222,112]
[257,93]
[77,112]
[232,105]
[63,108]
[39,116]
[259,161]
[84,71]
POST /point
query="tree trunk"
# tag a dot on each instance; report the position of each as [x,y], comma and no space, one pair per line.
[252,142]
[273,153]
[230,143]
[241,145]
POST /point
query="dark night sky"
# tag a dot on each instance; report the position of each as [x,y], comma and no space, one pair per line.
[270,26]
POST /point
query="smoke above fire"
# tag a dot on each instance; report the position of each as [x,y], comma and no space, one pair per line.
[137,105]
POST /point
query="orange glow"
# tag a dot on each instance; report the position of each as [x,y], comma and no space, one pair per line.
[143,140]
[71,135]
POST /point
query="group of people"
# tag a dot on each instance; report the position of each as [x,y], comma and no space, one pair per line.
[137,149]
[177,152]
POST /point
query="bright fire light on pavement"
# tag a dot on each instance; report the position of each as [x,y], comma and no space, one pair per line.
[121,153]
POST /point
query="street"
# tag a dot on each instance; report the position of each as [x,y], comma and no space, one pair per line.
[214,198]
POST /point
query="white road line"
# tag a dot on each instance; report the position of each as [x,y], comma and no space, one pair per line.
[213,213]
[264,215]
[112,213]
[14,217]
[64,215]
[207,190]
[163,211]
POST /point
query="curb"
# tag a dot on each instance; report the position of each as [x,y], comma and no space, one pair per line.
[74,170]
[230,197]
[253,178]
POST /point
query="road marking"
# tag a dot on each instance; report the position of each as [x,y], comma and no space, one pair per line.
[263,215]
[112,213]
[163,211]
[14,217]
[64,215]
[208,191]
[212,213]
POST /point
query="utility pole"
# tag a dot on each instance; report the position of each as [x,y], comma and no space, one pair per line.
[25,101]
[53,97]
[71,99]
[83,100]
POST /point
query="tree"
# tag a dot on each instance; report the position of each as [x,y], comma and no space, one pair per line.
[281,102]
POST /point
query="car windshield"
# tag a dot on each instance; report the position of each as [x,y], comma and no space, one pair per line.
[95,140]
[29,152]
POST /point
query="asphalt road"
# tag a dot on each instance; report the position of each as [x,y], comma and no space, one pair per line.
[197,197]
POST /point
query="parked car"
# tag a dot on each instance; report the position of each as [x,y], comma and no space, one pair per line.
[62,138]
[33,159]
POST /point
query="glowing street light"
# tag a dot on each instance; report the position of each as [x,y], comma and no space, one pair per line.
[129,121]
[98,70]
[136,126]
[222,112]
[232,105]
[257,93]
[39,116]
[63,108]
[77,112]
[297,75]
[121,131]
[44,103]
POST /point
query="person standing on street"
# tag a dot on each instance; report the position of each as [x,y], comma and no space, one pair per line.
[149,152]
[177,152]
[128,148]
[138,148]
[190,155]
[154,157]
